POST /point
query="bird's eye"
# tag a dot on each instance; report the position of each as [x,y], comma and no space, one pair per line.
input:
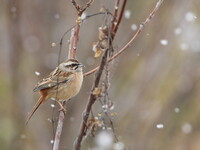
[73,65]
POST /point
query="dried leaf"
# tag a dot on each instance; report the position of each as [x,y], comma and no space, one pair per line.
[103,33]
[98,53]
[102,9]
[97,91]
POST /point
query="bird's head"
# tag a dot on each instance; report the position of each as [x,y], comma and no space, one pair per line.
[71,65]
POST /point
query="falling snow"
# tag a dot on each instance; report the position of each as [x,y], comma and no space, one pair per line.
[186,128]
[37,73]
[104,140]
[83,16]
[163,42]
[127,14]
[176,110]
[133,27]
[105,106]
[52,141]
[190,17]
[53,106]
[177,31]
[118,146]
[159,126]
[184,46]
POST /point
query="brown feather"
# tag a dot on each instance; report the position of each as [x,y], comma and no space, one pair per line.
[60,84]
[36,106]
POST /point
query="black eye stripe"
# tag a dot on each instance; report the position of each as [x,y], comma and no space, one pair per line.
[72,65]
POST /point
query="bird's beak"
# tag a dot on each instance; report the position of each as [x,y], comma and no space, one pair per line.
[81,65]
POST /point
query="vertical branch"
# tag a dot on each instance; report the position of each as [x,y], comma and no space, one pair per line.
[120,16]
[59,129]
[75,40]
[91,100]
[92,97]
[115,14]
[61,113]
[80,11]
[71,44]
[71,54]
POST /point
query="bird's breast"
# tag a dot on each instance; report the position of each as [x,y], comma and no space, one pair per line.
[71,88]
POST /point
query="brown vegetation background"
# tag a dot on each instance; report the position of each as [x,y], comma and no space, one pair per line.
[151,83]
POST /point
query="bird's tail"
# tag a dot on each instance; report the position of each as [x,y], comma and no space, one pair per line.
[40,100]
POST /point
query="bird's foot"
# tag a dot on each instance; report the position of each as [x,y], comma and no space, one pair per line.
[63,110]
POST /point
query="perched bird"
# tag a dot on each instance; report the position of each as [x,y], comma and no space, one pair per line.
[61,84]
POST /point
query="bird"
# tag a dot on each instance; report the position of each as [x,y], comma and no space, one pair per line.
[63,83]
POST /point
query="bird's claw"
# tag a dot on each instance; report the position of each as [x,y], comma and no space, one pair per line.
[63,110]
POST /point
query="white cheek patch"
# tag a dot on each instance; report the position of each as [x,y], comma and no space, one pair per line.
[68,63]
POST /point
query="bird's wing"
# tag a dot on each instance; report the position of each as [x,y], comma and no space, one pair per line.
[55,78]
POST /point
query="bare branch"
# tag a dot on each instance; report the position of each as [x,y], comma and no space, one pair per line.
[140,29]
[71,54]
[75,40]
[92,97]
[80,9]
[115,14]
[75,5]
[91,100]
[71,43]
[59,129]
[120,16]
[87,5]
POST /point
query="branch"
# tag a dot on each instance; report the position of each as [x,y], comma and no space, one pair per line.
[92,97]
[59,129]
[91,100]
[120,16]
[62,113]
[75,40]
[71,54]
[80,11]
[140,29]
[71,42]
[115,14]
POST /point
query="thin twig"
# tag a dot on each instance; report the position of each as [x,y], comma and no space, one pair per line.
[87,5]
[80,11]
[87,17]
[140,29]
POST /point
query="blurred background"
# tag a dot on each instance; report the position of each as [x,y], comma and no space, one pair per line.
[154,83]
